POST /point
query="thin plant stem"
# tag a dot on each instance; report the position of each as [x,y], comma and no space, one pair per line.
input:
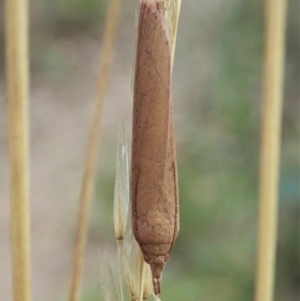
[270,147]
[17,71]
[120,245]
[92,148]
[142,278]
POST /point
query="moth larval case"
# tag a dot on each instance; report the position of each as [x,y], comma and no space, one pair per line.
[153,170]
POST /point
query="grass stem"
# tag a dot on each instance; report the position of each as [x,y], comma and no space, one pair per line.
[142,279]
[92,148]
[270,147]
[17,71]
[120,244]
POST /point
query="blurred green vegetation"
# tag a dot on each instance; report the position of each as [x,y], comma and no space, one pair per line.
[78,14]
[50,20]
[67,16]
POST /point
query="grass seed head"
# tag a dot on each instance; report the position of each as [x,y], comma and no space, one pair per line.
[131,260]
[108,281]
[121,190]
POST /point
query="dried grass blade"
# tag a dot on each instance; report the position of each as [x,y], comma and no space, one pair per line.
[121,196]
[131,259]
[121,191]
[92,148]
[108,281]
[173,8]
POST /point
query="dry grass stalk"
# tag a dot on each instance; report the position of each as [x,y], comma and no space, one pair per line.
[16,21]
[120,246]
[270,147]
[142,279]
[92,148]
